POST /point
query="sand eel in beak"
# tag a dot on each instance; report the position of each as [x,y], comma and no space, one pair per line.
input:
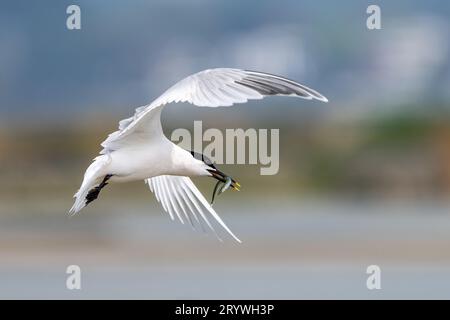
[226,185]
[224,182]
[139,150]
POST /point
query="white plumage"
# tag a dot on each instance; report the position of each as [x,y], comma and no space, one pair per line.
[140,151]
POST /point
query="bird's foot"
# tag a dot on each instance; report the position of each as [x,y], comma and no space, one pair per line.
[94,192]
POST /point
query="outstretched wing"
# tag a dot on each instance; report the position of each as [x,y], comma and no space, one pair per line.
[209,88]
[181,198]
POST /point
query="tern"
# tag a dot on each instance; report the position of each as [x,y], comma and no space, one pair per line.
[139,150]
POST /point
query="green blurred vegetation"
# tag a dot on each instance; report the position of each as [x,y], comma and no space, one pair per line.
[388,155]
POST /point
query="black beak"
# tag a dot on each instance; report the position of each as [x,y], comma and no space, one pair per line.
[219,175]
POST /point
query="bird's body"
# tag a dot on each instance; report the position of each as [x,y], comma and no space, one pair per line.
[146,160]
[140,151]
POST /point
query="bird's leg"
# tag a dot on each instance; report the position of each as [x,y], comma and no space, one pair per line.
[94,192]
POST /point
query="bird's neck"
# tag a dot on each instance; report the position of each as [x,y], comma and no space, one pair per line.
[183,163]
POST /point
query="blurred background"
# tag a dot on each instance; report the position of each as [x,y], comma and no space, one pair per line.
[364,179]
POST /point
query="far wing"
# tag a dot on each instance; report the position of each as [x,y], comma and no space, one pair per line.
[180,198]
[209,88]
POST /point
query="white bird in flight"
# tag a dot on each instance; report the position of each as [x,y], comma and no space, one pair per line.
[139,150]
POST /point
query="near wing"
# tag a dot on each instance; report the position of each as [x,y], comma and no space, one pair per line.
[209,88]
[181,198]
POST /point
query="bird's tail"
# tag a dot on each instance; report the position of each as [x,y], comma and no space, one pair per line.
[92,178]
